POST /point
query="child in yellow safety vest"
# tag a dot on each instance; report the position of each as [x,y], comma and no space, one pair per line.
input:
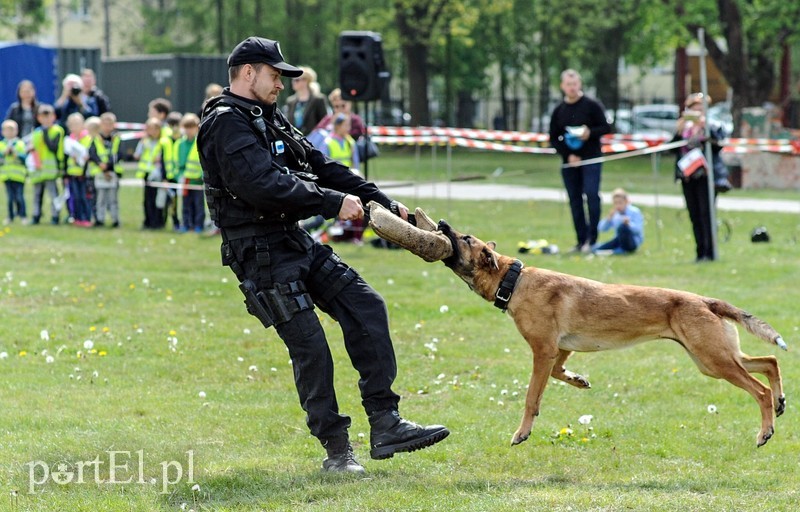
[46,162]
[12,170]
[190,174]
[154,153]
[104,169]
[76,151]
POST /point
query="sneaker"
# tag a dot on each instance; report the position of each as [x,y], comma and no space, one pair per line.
[340,457]
[391,434]
[115,225]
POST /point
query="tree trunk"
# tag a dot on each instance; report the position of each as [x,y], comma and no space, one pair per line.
[416,55]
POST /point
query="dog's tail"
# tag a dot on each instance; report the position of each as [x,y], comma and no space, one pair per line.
[754,325]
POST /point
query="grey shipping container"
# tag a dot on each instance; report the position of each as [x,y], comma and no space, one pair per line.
[73,60]
[131,82]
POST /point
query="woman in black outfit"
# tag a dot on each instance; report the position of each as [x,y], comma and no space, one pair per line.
[692,128]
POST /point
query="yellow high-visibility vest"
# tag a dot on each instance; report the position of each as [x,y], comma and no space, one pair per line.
[342,154]
[193,170]
[105,155]
[12,167]
[48,163]
[73,169]
[153,155]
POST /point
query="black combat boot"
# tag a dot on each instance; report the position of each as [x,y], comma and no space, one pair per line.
[390,434]
[340,457]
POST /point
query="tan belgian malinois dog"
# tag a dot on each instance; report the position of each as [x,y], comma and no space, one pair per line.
[559,314]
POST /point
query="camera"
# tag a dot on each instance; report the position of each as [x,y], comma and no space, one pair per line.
[75,91]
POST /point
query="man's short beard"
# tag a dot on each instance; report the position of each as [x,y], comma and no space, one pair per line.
[254,93]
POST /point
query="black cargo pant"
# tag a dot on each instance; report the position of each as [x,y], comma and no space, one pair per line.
[288,256]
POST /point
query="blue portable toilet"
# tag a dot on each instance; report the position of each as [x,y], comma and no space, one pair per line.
[22,61]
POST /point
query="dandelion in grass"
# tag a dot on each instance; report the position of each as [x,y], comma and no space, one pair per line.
[246,330]
[44,335]
[390,281]
[417,326]
[443,308]
[585,419]
[23,353]
[252,368]
[240,359]
[196,488]
[712,409]
[49,359]
[102,353]
[201,394]
[273,369]
[23,284]
[106,330]
[88,344]
[3,355]
[92,328]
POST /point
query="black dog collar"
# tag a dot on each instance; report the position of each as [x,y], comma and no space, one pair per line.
[503,294]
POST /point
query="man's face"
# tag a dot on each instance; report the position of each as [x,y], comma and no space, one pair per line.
[571,86]
[88,81]
[265,84]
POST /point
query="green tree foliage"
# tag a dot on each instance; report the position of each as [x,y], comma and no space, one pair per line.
[746,40]
[25,17]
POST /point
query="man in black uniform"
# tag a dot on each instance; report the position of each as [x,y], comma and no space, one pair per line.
[261,177]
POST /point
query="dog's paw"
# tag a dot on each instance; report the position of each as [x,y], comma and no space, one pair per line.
[764,437]
[519,438]
[581,381]
[781,407]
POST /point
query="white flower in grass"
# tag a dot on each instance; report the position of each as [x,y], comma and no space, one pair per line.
[23,284]
[440,376]
[246,331]
[443,308]
[88,344]
[390,281]
[49,359]
[240,359]
[145,281]
[417,327]
[3,355]
[503,392]
[273,369]
[196,488]
[252,368]
[585,419]
[201,394]
[712,409]
[44,335]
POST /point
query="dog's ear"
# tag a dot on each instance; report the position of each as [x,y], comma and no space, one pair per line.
[489,257]
[491,245]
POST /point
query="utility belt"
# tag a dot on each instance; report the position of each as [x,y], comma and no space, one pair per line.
[254,230]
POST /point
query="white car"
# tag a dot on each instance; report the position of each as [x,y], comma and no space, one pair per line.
[656,119]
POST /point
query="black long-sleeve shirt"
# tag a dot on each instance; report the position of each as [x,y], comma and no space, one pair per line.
[585,111]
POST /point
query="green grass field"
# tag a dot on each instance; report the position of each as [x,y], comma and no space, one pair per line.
[149,354]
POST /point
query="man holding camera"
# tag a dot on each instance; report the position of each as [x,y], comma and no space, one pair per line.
[73,99]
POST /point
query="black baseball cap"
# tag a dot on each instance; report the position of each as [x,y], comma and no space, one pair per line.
[258,49]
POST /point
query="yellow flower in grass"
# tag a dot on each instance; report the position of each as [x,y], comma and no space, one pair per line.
[172,332]
[23,353]
[106,329]
[102,353]
[92,328]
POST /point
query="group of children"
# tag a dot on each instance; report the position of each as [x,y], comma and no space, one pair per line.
[86,161]
[169,164]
